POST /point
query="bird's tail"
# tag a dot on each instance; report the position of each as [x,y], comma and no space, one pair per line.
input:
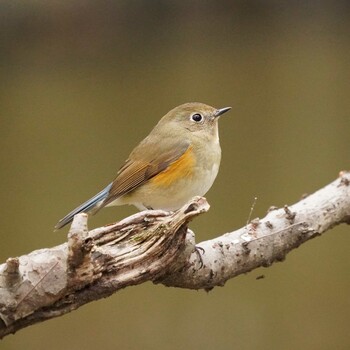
[88,206]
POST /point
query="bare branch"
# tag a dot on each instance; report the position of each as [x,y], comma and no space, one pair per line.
[265,241]
[156,246]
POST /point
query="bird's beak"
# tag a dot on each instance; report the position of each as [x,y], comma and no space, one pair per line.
[222,111]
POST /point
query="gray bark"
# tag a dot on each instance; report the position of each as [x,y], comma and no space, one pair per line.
[157,246]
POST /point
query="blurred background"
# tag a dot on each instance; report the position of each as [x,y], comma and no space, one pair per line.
[82,82]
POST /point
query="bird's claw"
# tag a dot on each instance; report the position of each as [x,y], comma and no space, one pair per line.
[198,251]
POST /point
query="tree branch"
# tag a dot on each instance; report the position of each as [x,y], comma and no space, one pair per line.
[156,246]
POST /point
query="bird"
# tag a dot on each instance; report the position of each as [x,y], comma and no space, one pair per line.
[177,161]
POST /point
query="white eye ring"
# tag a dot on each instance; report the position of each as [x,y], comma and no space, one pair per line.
[196,117]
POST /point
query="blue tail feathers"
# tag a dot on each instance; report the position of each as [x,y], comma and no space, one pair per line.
[85,207]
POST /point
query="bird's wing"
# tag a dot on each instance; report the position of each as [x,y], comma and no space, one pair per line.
[141,167]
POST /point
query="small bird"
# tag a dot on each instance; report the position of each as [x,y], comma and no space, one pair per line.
[178,160]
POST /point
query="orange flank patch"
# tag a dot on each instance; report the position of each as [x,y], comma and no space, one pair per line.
[181,168]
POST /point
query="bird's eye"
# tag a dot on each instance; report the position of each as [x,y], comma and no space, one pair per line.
[196,117]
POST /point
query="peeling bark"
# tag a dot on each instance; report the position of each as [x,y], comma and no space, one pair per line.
[156,246]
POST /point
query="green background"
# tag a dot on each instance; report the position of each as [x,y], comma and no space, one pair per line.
[82,82]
